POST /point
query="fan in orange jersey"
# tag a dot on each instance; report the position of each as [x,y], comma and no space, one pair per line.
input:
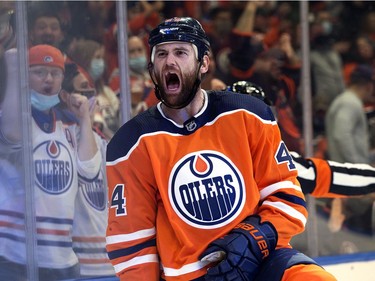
[201,176]
[319,177]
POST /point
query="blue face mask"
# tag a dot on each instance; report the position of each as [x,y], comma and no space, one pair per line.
[43,102]
[97,68]
[138,64]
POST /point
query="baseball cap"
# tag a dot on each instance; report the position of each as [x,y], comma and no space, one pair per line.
[46,55]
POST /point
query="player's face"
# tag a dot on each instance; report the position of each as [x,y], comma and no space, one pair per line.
[175,67]
[45,80]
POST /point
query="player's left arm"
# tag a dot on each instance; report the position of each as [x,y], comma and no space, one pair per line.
[282,202]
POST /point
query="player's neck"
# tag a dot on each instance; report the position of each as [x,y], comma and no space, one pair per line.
[183,114]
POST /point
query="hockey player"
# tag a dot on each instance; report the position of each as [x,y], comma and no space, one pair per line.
[61,150]
[319,177]
[201,176]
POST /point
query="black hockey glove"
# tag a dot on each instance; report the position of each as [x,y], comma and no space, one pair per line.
[241,251]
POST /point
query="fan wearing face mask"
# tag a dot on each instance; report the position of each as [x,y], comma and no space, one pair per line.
[90,214]
[90,56]
[141,86]
[62,148]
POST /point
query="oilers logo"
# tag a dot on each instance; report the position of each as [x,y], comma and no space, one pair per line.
[94,191]
[206,189]
[53,167]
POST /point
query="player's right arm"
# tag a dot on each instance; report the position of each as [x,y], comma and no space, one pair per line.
[131,233]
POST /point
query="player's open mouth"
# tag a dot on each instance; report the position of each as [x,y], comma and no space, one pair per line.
[172,81]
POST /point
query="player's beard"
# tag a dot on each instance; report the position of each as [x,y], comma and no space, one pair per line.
[187,86]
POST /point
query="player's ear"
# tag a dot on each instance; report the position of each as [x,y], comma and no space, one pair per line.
[150,68]
[205,64]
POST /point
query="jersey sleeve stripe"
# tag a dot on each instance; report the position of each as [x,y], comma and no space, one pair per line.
[345,190]
[287,210]
[291,198]
[353,179]
[136,261]
[131,250]
[267,191]
[188,268]
[144,233]
[360,169]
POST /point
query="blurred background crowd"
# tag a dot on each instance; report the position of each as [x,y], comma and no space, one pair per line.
[251,40]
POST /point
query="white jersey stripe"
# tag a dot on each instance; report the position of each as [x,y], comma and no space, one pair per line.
[187,268]
[352,180]
[131,236]
[287,210]
[267,191]
[136,261]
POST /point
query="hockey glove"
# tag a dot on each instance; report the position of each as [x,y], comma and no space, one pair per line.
[241,251]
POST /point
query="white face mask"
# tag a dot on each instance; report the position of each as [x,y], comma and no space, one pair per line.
[43,102]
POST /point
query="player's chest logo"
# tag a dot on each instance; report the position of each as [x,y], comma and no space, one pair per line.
[206,189]
[53,167]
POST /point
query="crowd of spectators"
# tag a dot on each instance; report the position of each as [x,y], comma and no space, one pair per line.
[258,41]
[251,40]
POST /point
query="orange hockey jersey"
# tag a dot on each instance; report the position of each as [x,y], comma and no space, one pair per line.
[175,188]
